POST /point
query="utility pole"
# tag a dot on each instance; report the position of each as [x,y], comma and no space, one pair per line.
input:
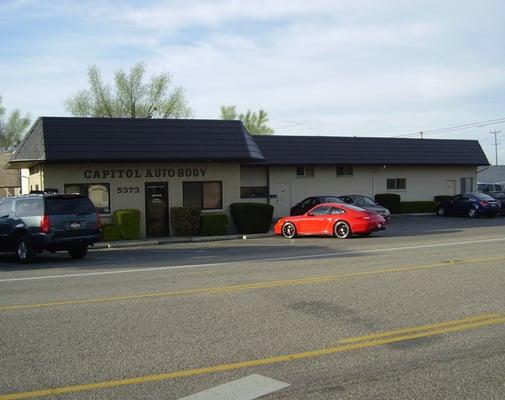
[495,133]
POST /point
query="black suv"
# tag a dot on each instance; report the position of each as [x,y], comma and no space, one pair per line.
[33,223]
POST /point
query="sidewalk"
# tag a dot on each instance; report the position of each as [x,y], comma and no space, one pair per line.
[118,244]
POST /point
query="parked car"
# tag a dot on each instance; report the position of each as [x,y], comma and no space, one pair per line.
[470,204]
[368,204]
[489,187]
[500,196]
[310,202]
[340,220]
[34,223]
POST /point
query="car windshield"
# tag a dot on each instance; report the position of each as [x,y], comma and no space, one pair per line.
[482,196]
[69,205]
[364,201]
[332,199]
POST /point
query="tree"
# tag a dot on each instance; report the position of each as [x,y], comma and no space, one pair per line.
[255,123]
[130,97]
[12,131]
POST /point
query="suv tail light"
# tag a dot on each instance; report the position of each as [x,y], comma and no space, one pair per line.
[45,224]
[484,203]
[98,222]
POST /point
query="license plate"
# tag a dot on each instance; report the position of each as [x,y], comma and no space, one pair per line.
[75,225]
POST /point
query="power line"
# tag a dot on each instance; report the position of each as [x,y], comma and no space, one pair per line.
[495,133]
[456,128]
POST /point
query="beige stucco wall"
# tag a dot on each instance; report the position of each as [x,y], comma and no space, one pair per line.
[56,176]
[423,183]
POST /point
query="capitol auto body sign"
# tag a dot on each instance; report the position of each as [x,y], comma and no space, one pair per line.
[135,173]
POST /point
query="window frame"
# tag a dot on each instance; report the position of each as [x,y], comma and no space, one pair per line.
[396,186]
[252,196]
[305,169]
[203,193]
[347,170]
[100,210]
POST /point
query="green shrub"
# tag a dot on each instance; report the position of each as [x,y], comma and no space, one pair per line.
[389,200]
[417,206]
[128,222]
[252,217]
[214,224]
[185,220]
[111,232]
[440,199]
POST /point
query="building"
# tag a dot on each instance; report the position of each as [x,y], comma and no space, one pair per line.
[152,165]
[10,180]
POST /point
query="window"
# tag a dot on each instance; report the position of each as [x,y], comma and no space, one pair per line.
[305,171]
[344,170]
[323,210]
[204,195]
[98,193]
[5,208]
[397,184]
[253,192]
[364,201]
[29,207]
[336,210]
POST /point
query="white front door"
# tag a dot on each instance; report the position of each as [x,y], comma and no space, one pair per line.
[450,187]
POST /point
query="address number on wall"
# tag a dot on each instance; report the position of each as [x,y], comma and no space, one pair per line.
[128,189]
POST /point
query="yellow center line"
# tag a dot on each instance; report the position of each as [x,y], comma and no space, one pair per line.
[359,343]
[249,286]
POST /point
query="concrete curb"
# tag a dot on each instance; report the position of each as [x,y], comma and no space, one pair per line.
[176,240]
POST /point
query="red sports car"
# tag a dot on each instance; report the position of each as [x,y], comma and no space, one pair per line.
[341,220]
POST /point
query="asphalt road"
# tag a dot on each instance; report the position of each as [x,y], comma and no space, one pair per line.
[417,311]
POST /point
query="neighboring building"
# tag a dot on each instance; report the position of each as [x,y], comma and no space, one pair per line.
[10,182]
[152,165]
[492,174]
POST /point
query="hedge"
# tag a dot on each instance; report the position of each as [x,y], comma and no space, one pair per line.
[128,222]
[185,220]
[252,217]
[442,198]
[111,232]
[389,200]
[417,206]
[214,224]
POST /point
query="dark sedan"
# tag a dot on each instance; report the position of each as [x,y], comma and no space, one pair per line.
[500,196]
[471,205]
[368,204]
[310,202]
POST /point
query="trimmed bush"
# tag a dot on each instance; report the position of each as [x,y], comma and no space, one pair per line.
[214,224]
[389,200]
[442,198]
[128,222]
[252,217]
[417,206]
[185,220]
[111,232]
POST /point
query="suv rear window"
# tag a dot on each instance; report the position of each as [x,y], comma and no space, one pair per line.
[69,205]
[29,207]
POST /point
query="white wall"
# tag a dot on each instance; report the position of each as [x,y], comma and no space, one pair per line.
[423,182]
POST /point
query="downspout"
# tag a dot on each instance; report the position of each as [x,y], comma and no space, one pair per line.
[373,179]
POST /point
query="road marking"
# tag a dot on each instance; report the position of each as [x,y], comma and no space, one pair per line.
[359,343]
[300,257]
[249,388]
[249,286]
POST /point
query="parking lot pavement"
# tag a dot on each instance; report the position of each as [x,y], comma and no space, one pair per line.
[165,322]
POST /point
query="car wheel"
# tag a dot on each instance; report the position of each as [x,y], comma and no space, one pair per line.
[78,252]
[25,253]
[472,213]
[342,230]
[441,211]
[288,230]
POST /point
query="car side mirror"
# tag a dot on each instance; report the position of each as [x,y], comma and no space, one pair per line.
[310,214]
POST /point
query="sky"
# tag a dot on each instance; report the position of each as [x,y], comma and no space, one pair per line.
[319,67]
